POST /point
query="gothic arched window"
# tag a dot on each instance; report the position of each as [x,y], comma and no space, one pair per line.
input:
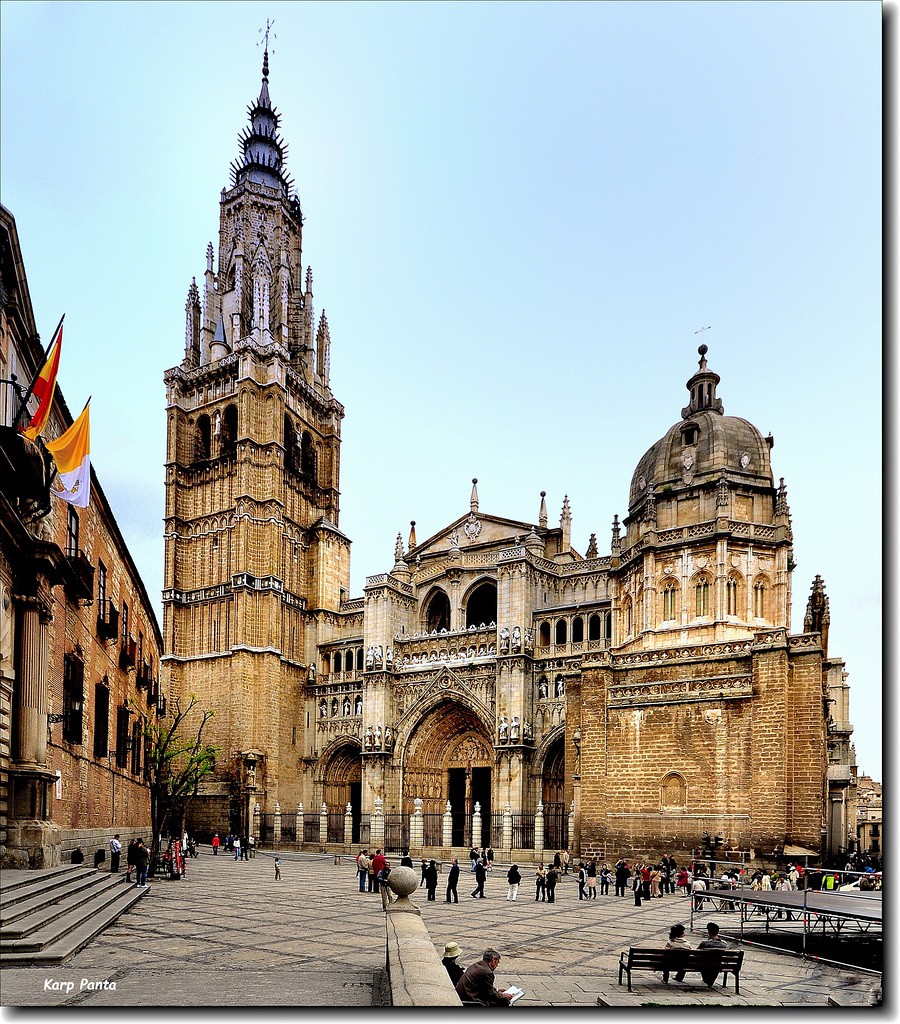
[759,599]
[731,596]
[701,592]
[595,628]
[670,601]
[308,465]
[673,793]
[629,617]
[204,434]
[437,612]
[577,629]
[545,634]
[561,631]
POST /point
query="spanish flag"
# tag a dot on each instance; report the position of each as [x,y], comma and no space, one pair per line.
[44,387]
[72,455]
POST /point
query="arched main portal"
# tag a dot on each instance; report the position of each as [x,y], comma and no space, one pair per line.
[449,757]
[553,796]
[343,785]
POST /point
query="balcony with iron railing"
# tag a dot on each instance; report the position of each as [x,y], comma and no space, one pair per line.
[78,576]
[142,679]
[107,620]
[127,653]
[25,471]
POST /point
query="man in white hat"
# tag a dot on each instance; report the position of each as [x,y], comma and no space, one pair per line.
[452,953]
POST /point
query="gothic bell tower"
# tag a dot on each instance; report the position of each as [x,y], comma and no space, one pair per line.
[254,559]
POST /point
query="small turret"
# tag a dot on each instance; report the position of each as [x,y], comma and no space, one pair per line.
[193,314]
[818,615]
[473,501]
[565,524]
[323,350]
[702,387]
[542,515]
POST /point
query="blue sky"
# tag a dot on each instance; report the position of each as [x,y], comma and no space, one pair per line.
[517,216]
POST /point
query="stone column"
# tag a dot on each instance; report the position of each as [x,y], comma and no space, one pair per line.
[476,825]
[31,703]
[507,827]
[323,825]
[256,816]
[417,828]
[447,829]
[276,837]
[298,834]
[348,828]
[539,834]
[376,826]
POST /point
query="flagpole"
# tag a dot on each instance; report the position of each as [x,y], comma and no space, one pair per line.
[43,361]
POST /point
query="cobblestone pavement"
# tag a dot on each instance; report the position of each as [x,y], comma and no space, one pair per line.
[228,934]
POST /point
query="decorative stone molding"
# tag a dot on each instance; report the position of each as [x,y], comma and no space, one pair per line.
[681,691]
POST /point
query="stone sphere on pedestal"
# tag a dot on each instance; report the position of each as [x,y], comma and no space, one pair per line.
[403,881]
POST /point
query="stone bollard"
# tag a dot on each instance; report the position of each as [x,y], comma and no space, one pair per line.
[256,820]
[298,834]
[476,826]
[276,839]
[323,825]
[539,834]
[447,829]
[571,844]
[348,828]
[337,859]
[506,837]
[417,827]
[376,831]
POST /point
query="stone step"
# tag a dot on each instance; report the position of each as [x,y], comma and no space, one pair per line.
[29,915]
[57,940]
[14,880]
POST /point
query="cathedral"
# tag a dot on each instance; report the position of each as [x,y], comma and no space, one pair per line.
[494,686]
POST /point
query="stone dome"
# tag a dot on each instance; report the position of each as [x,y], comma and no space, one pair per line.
[703,448]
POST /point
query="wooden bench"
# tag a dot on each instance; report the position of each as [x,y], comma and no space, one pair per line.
[724,961]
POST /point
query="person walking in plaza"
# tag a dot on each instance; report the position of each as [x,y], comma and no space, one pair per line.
[452,882]
[567,857]
[431,880]
[141,863]
[480,876]
[582,881]
[362,869]
[513,878]
[215,845]
[637,887]
[115,853]
[623,873]
[557,861]
[676,941]
[277,870]
[645,881]
[406,861]
[490,857]
[236,846]
[605,876]
[655,874]
[377,865]
[245,849]
[130,859]
[684,883]
[424,872]
[552,879]
[592,879]
[540,884]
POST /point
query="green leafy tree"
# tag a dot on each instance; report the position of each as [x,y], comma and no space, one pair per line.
[178,759]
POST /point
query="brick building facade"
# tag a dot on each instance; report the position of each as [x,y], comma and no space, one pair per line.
[79,642]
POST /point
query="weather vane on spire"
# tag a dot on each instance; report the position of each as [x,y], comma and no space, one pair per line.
[265,39]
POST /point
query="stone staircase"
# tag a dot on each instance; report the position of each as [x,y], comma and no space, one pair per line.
[47,916]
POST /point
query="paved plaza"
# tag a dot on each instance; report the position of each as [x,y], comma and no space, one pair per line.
[228,934]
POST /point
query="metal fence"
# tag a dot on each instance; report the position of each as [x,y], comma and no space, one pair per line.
[365,831]
[396,831]
[336,827]
[556,827]
[523,831]
[266,828]
[289,828]
[310,827]
[433,826]
[494,837]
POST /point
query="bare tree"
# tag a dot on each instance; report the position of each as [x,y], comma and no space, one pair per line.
[179,759]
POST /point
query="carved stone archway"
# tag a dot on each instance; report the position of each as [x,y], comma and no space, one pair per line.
[341,777]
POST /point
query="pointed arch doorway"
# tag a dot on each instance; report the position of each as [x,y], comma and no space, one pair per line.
[553,796]
[343,785]
[449,757]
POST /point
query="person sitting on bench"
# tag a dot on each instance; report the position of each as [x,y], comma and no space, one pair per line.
[676,941]
[712,941]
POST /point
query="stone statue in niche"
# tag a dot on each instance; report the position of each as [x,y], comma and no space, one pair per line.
[378,655]
[560,686]
[323,708]
[346,706]
[516,639]
[388,738]
[359,704]
[514,730]
[311,673]
[370,658]
[369,739]
[334,707]
[504,730]
[504,640]
[378,738]
[527,732]
[389,657]
[543,689]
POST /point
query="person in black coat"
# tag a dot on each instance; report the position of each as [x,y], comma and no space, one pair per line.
[431,879]
[480,876]
[552,879]
[452,880]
